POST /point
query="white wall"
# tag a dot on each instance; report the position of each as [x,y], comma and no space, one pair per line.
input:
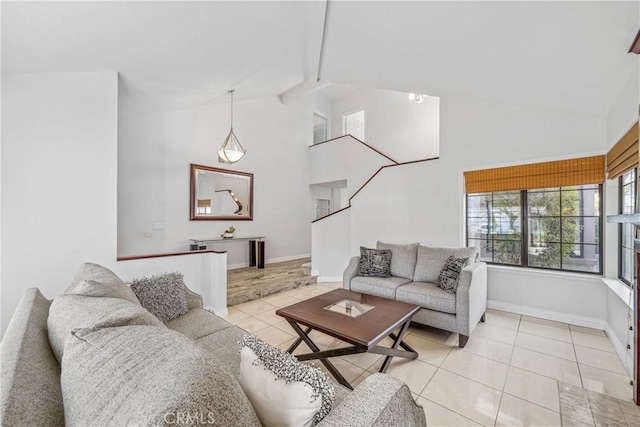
[624,112]
[424,202]
[402,129]
[59,142]
[155,151]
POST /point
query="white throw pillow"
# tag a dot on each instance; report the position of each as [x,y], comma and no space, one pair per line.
[277,397]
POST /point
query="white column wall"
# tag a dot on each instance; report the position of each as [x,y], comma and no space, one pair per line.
[622,115]
[330,249]
[59,153]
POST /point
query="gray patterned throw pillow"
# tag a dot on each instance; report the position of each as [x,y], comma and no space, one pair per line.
[375,262]
[450,274]
[163,295]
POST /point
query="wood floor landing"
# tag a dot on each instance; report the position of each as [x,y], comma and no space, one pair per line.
[246,284]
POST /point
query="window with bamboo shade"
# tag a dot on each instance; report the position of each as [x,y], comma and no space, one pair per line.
[624,155]
[543,215]
[561,173]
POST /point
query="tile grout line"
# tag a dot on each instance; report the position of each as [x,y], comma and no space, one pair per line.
[457,413]
[575,353]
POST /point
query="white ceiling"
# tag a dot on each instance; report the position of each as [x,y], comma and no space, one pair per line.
[568,56]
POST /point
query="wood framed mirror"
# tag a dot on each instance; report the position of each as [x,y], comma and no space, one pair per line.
[220,194]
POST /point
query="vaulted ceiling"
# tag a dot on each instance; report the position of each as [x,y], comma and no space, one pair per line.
[563,55]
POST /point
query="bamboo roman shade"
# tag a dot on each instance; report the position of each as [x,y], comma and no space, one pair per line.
[562,173]
[204,203]
[624,155]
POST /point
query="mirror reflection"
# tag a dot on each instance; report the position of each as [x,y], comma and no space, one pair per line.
[220,194]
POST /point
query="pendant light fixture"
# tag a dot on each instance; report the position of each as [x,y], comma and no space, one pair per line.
[231,150]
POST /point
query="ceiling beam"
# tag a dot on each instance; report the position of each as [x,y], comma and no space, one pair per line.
[316,25]
[301,90]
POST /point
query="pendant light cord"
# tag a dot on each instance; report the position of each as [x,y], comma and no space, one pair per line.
[231,92]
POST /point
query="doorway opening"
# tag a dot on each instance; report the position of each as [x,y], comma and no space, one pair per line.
[353,124]
[320,128]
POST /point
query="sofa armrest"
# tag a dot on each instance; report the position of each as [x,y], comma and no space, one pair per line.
[471,297]
[353,269]
[380,400]
[194,300]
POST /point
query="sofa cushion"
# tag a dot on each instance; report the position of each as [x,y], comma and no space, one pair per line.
[282,390]
[30,373]
[69,312]
[381,287]
[197,322]
[224,345]
[143,375]
[163,295]
[374,262]
[97,281]
[403,258]
[427,295]
[431,259]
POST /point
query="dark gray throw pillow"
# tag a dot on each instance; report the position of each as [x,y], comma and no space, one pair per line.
[375,262]
[163,295]
[450,274]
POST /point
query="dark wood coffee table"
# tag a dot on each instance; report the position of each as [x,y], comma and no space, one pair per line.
[363,332]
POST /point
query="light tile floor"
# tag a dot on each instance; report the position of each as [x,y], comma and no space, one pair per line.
[515,370]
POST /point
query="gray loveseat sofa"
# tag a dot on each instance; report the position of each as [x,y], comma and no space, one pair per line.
[414,271]
[145,372]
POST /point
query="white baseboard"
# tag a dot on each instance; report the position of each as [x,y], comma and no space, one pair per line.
[269,261]
[221,312]
[572,319]
[326,279]
[621,349]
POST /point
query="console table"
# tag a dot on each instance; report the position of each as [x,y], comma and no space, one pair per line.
[256,247]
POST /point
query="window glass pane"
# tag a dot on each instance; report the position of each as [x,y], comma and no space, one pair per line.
[547,256]
[580,202]
[627,235]
[580,230]
[544,230]
[505,214]
[628,198]
[627,264]
[485,245]
[478,213]
[579,257]
[507,252]
[627,205]
[629,177]
[571,202]
[544,202]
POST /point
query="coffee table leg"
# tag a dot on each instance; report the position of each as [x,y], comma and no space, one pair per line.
[297,342]
[396,342]
[304,337]
[403,344]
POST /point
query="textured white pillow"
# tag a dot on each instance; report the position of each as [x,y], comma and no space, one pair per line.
[279,400]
